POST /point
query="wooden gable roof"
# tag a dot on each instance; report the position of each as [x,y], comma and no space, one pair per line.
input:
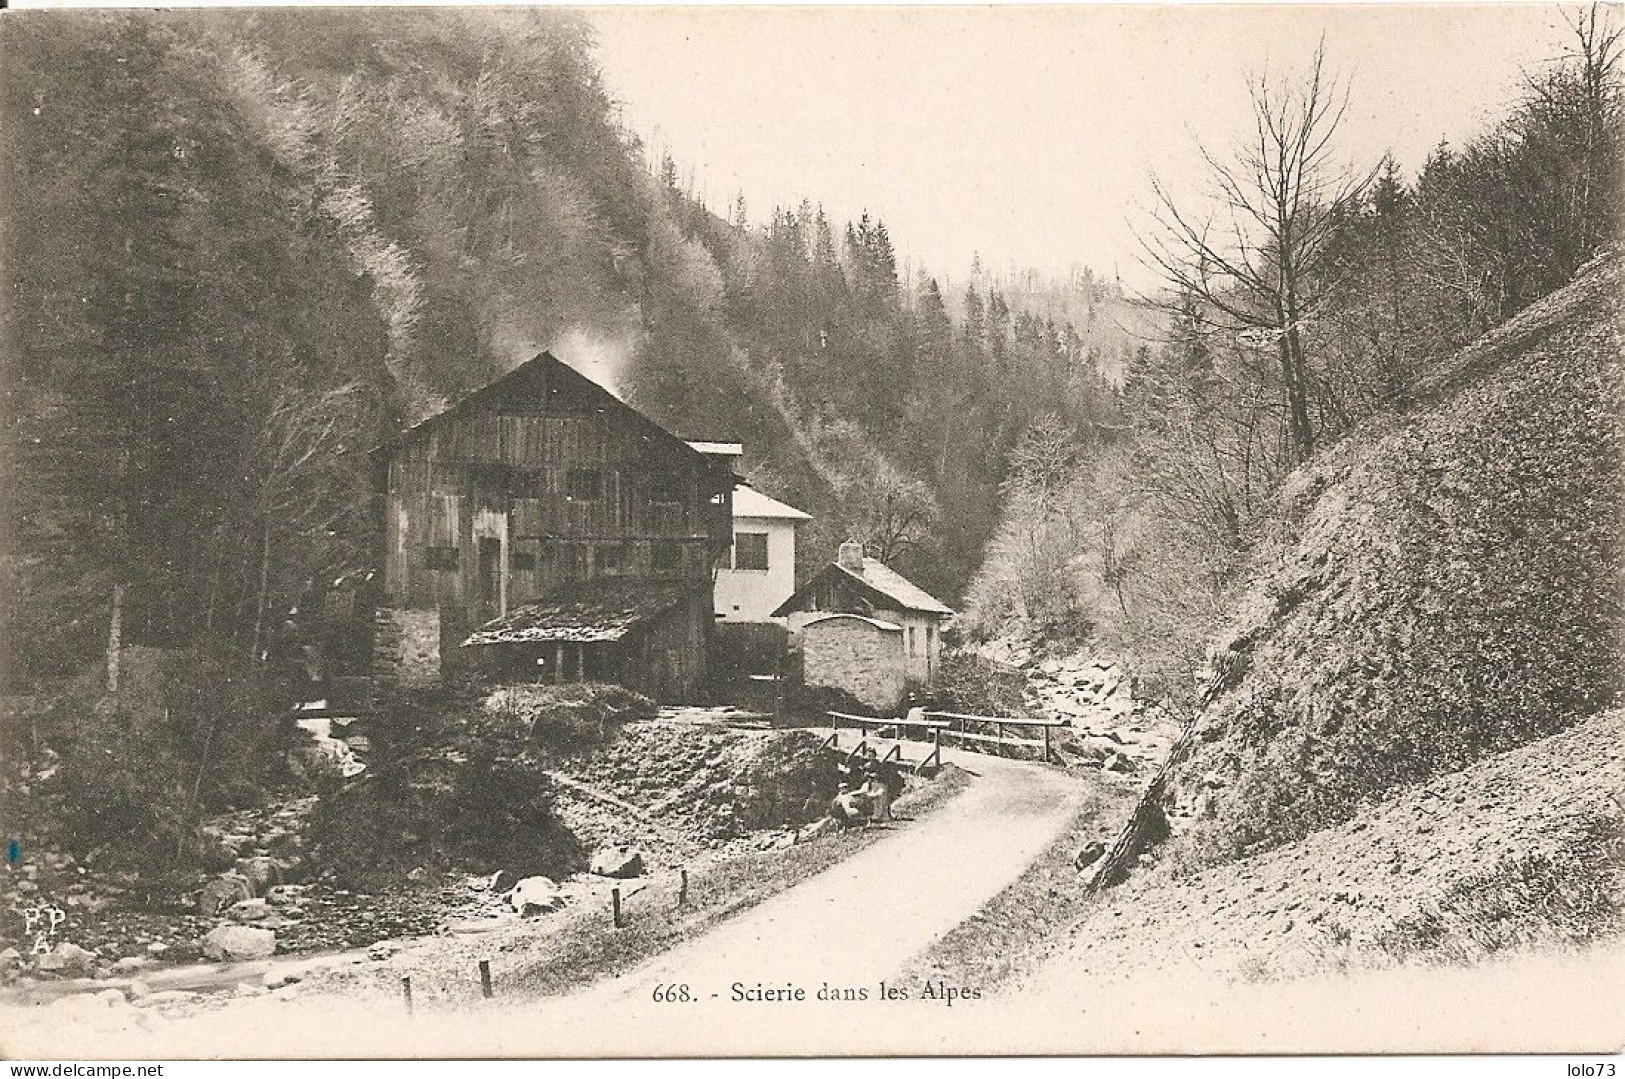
[532,387]
[878,583]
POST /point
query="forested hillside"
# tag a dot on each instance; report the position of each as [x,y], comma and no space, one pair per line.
[1307,299]
[239,253]
[1358,526]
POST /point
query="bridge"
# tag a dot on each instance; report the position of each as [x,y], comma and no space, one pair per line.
[917,739]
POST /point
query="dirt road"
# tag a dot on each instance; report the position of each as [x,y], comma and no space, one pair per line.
[862,920]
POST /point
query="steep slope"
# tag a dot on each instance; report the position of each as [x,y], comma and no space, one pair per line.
[1526,848]
[1440,588]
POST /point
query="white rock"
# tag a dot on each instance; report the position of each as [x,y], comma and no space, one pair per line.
[239,942]
[250,910]
[619,862]
[66,958]
[534,895]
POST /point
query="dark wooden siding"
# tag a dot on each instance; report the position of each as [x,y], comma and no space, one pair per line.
[502,471]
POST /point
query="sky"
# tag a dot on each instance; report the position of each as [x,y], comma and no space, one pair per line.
[1029,135]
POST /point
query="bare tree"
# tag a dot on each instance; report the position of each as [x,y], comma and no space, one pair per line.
[888,511]
[301,434]
[1580,99]
[1256,254]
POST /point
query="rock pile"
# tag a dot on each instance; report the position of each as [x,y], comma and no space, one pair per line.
[708,783]
[1109,728]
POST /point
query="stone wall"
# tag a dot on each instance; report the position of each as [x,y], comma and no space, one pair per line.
[857,655]
[406,646]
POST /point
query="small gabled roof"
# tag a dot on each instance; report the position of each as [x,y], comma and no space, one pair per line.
[749,502]
[598,609]
[882,583]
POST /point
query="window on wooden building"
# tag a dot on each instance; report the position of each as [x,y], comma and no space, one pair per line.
[440,557]
[524,560]
[750,550]
[584,485]
[666,555]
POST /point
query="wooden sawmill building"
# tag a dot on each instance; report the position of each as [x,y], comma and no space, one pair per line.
[542,529]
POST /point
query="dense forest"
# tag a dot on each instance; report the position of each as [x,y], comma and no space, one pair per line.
[243,253]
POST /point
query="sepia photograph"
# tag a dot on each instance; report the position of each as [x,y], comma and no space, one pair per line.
[545,532]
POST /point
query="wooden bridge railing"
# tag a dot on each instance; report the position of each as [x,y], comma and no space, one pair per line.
[951,725]
[999,738]
[880,724]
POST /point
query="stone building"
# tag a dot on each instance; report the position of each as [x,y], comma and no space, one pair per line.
[859,655]
[889,627]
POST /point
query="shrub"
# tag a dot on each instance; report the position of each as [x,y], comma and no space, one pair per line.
[188,735]
[451,785]
[973,684]
[788,783]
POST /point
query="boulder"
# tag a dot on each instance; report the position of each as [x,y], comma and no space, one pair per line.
[1089,855]
[1089,752]
[283,895]
[131,964]
[238,942]
[534,895]
[261,872]
[250,910]
[94,1008]
[1118,763]
[66,958]
[222,892]
[618,862]
[237,842]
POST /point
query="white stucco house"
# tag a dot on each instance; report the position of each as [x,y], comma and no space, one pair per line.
[761,570]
